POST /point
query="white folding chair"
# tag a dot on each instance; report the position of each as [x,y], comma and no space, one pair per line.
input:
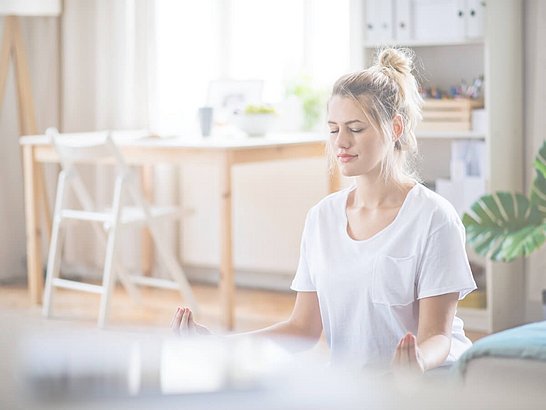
[99,147]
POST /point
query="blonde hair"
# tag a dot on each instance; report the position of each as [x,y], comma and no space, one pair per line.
[387,89]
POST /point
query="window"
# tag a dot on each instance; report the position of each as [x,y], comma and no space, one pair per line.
[275,41]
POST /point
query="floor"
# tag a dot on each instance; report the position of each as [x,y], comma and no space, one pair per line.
[254,308]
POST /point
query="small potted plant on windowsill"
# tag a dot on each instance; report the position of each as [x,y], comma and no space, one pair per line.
[504,226]
[256,120]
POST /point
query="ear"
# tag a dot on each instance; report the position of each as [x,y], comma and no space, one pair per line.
[397,127]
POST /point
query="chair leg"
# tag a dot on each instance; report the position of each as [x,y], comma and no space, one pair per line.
[53,266]
[127,282]
[109,277]
[54,256]
[124,278]
[165,256]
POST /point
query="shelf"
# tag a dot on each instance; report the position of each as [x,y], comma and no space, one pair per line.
[450,135]
[427,43]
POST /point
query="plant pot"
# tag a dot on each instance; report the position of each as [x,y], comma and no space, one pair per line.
[255,125]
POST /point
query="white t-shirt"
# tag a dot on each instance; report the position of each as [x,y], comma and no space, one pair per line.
[368,290]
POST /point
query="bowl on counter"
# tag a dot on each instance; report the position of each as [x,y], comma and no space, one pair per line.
[256,120]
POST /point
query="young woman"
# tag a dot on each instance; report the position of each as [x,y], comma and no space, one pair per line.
[382,263]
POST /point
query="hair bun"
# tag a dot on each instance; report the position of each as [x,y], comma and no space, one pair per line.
[398,59]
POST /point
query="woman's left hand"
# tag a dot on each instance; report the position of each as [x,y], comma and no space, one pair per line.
[407,357]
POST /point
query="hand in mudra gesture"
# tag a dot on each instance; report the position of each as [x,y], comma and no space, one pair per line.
[407,357]
[183,324]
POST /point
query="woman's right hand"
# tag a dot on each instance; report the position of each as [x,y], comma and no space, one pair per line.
[183,324]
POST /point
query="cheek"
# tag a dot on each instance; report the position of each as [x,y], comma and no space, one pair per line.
[373,145]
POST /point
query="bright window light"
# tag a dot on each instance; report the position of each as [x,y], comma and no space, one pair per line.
[201,41]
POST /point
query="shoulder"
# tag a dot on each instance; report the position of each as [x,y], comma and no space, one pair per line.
[435,208]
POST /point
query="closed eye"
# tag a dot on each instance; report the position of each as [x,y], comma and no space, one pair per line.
[356,130]
[334,131]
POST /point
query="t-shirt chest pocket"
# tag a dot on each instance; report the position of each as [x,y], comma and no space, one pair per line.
[394,280]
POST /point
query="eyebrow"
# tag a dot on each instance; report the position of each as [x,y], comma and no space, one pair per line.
[347,123]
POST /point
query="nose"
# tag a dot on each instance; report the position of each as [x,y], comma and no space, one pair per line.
[343,139]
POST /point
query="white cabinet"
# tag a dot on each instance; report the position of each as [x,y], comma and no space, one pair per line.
[438,20]
[403,20]
[475,18]
[379,21]
[424,21]
[462,39]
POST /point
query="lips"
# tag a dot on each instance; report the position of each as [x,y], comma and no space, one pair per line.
[346,157]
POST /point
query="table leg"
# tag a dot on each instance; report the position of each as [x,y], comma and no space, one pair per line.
[227,280]
[42,191]
[147,246]
[32,212]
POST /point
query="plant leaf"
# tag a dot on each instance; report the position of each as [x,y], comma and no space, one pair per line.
[504,226]
[507,204]
[499,224]
[538,194]
[523,242]
[540,160]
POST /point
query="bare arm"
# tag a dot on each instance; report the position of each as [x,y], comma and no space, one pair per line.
[304,323]
[431,346]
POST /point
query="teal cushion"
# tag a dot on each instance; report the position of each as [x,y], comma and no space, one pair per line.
[522,342]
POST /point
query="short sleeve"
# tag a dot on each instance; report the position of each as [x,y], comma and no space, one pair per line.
[302,280]
[444,266]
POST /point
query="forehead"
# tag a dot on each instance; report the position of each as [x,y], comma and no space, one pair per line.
[342,109]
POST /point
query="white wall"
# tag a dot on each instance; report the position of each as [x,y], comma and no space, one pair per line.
[40,38]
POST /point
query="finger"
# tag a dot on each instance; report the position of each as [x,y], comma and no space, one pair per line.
[405,351]
[413,351]
[174,317]
[184,321]
[176,321]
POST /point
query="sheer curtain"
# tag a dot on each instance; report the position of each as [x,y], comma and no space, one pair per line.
[106,48]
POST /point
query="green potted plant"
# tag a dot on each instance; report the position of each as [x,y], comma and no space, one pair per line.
[312,99]
[504,226]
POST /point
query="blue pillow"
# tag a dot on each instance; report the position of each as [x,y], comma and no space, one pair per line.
[522,342]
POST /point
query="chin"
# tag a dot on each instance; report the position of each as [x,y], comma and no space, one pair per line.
[348,173]
[349,169]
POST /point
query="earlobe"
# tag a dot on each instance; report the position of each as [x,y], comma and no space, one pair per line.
[397,128]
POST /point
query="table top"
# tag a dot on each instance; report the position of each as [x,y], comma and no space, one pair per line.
[144,139]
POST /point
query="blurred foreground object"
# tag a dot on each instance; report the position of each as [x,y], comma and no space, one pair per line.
[46,366]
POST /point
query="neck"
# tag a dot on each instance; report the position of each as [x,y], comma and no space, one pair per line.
[376,192]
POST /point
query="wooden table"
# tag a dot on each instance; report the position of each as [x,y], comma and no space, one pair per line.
[226,152]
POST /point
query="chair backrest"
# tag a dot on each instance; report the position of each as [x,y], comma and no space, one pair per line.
[91,147]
